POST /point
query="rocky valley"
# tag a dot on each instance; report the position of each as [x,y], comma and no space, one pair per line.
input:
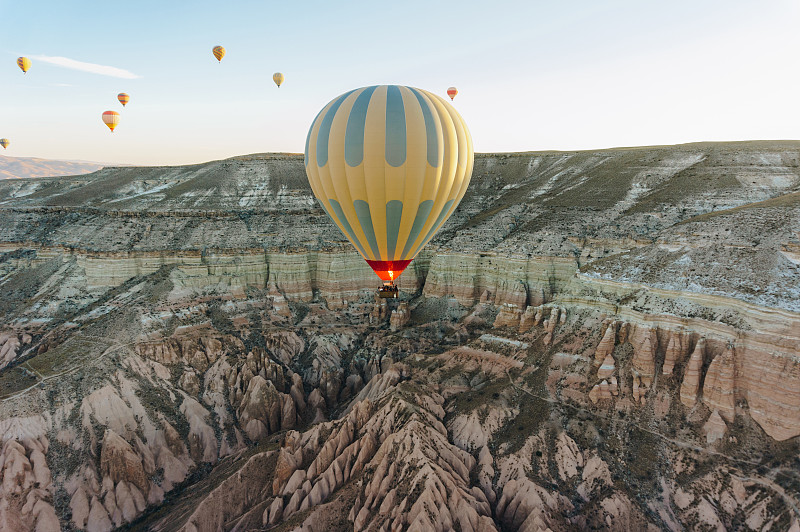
[596,340]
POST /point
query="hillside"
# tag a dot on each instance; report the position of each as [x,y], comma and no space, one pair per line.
[24,167]
[600,339]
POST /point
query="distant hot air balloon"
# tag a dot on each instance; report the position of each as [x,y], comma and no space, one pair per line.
[4,143]
[389,164]
[123,98]
[219,52]
[24,63]
[278,78]
[111,119]
[452,91]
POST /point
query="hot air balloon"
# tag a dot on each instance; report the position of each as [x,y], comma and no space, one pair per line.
[4,143]
[219,52]
[123,98]
[24,63]
[389,164]
[111,119]
[452,91]
[278,78]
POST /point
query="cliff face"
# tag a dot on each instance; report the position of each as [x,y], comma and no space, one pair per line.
[595,339]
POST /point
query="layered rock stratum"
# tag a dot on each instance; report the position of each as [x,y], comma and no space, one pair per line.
[596,340]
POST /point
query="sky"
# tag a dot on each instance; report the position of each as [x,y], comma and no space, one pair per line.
[532,75]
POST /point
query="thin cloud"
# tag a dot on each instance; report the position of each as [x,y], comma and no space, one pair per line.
[103,70]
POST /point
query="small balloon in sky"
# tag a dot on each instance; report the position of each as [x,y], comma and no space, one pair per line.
[452,91]
[111,119]
[219,52]
[4,143]
[278,78]
[123,98]
[24,63]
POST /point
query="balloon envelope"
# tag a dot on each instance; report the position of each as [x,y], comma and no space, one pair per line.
[452,91]
[123,98]
[111,119]
[4,143]
[219,52]
[389,164]
[24,63]
[278,78]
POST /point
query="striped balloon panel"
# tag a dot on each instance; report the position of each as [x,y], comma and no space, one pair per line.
[219,52]
[4,143]
[111,119]
[24,63]
[452,91]
[123,98]
[389,164]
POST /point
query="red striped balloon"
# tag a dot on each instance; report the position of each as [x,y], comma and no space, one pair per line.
[111,119]
[452,91]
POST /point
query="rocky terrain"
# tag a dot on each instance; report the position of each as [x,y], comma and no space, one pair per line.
[600,340]
[18,167]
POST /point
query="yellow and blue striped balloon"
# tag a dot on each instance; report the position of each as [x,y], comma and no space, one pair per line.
[24,64]
[389,164]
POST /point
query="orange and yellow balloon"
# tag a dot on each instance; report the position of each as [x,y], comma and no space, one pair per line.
[111,119]
[452,91]
[389,164]
[24,63]
[123,98]
[278,78]
[4,143]
[219,52]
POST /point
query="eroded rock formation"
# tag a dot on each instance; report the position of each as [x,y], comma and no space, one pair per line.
[179,356]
